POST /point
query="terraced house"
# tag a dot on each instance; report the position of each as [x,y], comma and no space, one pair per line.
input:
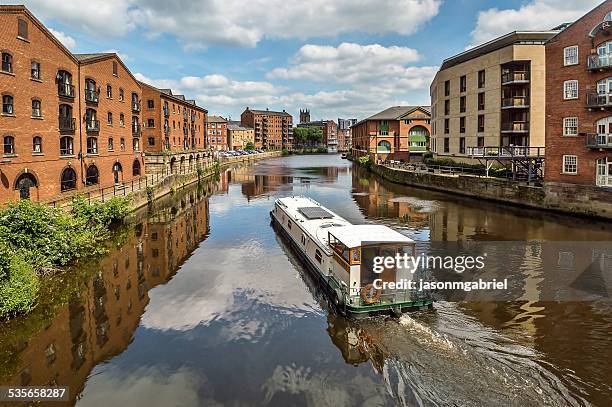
[579,103]
[68,122]
[396,133]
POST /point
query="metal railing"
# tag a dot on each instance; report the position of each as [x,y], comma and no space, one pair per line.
[515,76]
[515,101]
[595,61]
[511,151]
[595,99]
[92,95]
[92,125]
[594,140]
[65,90]
[515,126]
[436,169]
[67,123]
[135,106]
[136,130]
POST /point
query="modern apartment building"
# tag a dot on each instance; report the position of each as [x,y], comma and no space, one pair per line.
[579,101]
[54,142]
[344,133]
[238,137]
[396,133]
[492,95]
[170,122]
[329,129]
[216,133]
[273,130]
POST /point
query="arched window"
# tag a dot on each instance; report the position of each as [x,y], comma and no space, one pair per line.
[35,70]
[117,172]
[92,145]
[151,141]
[9,145]
[37,145]
[136,168]
[121,95]
[66,121]
[36,110]
[122,144]
[111,146]
[7,104]
[68,179]
[109,91]
[92,176]
[109,118]
[136,144]
[64,84]
[23,183]
[66,146]
[7,62]
[121,119]
[22,28]
[384,146]
[91,120]
[135,103]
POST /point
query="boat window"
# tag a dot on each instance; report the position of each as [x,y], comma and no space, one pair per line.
[303,240]
[318,256]
[289,224]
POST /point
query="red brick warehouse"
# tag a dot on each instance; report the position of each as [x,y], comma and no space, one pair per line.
[579,101]
[68,122]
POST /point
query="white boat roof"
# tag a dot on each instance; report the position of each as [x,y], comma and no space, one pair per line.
[350,235]
[360,235]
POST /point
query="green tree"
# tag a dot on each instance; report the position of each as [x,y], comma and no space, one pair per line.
[300,135]
[250,146]
[315,135]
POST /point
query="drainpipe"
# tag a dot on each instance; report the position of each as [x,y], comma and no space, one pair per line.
[80,155]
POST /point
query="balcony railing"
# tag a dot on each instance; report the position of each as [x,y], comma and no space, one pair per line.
[516,126]
[65,90]
[594,140]
[92,95]
[166,112]
[596,62]
[595,99]
[515,102]
[515,77]
[136,129]
[92,125]
[510,151]
[135,106]
[166,130]
[67,123]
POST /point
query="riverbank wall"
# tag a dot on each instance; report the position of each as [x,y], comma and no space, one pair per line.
[582,200]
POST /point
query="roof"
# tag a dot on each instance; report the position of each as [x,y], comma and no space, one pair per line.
[395,113]
[216,119]
[513,38]
[237,126]
[360,235]
[168,93]
[91,57]
[269,112]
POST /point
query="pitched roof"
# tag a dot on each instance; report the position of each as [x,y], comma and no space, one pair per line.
[236,125]
[216,119]
[168,92]
[395,112]
[91,57]
[269,112]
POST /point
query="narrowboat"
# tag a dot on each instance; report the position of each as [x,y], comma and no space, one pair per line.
[344,155]
[340,256]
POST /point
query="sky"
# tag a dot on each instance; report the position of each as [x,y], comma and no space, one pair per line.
[338,58]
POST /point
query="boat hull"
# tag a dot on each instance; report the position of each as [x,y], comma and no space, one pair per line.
[339,305]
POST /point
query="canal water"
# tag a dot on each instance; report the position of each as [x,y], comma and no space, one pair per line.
[200,303]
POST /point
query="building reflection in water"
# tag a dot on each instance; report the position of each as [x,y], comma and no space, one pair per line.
[100,317]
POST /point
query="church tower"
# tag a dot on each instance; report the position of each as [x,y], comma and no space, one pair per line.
[304,116]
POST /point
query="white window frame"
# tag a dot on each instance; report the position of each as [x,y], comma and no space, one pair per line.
[568,125]
[566,85]
[567,55]
[565,164]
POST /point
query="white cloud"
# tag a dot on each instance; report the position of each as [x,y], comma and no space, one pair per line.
[534,15]
[124,57]
[198,24]
[101,17]
[65,39]
[347,63]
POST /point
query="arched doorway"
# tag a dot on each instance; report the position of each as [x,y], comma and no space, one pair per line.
[23,183]
[117,172]
[182,166]
[384,146]
[68,179]
[136,168]
[190,163]
[172,165]
[92,176]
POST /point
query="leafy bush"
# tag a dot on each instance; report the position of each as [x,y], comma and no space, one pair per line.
[249,146]
[449,162]
[364,161]
[100,213]
[285,152]
[19,288]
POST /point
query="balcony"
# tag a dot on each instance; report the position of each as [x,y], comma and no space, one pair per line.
[599,100]
[193,117]
[515,78]
[135,106]
[166,112]
[516,102]
[92,126]
[67,124]
[515,127]
[92,95]
[594,140]
[65,90]
[193,131]
[599,62]
[166,131]
[136,129]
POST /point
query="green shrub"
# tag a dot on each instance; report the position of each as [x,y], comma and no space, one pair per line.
[19,289]
[365,161]
[285,152]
